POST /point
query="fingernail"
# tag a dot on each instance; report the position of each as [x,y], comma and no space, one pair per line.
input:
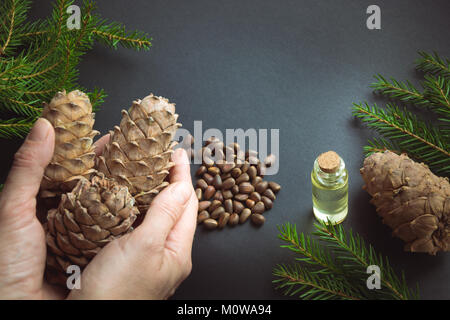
[181,191]
[180,156]
[40,130]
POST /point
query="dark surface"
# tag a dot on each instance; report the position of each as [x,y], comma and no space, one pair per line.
[294,65]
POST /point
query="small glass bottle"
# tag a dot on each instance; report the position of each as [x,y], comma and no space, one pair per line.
[329,179]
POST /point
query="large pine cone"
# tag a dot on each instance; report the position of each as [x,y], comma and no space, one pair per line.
[74,157]
[95,213]
[139,151]
[413,201]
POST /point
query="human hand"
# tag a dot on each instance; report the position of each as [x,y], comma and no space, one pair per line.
[151,261]
[151,265]
[22,238]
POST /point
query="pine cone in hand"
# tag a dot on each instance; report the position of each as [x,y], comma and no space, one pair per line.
[74,157]
[95,213]
[138,154]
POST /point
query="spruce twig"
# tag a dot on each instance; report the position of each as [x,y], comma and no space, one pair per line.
[381,145]
[403,91]
[350,257]
[12,17]
[308,248]
[15,127]
[400,129]
[437,90]
[39,58]
[419,139]
[355,257]
[433,64]
[113,33]
[296,280]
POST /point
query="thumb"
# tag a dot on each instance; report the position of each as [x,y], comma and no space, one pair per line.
[24,179]
[165,211]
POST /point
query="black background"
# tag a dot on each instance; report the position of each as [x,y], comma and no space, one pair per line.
[293,65]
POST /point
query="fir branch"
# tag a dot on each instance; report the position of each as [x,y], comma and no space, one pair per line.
[380,145]
[39,64]
[87,26]
[57,18]
[11,16]
[309,250]
[34,75]
[403,91]
[33,34]
[350,257]
[20,107]
[433,64]
[404,132]
[355,257]
[296,280]
[15,65]
[423,142]
[97,97]
[12,24]
[114,33]
[49,56]
[437,90]
[15,127]
[111,34]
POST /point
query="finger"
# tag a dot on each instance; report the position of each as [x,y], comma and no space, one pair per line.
[24,179]
[165,211]
[100,144]
[181,171]
[181,237]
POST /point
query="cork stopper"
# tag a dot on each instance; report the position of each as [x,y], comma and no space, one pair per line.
[329,162]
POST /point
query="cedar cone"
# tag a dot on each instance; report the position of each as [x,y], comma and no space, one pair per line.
[413,201]
[138,154]
[95,213]
[74,157]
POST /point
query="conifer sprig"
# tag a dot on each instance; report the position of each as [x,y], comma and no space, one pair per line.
[309,250]
[296,280]
[12,24]
[403,91]
[40,58]
[15,127]
[401,130]
[381,145]
[347,278]
[433,64]
[354,256]
[437,91]
[411,135]
[113,34]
